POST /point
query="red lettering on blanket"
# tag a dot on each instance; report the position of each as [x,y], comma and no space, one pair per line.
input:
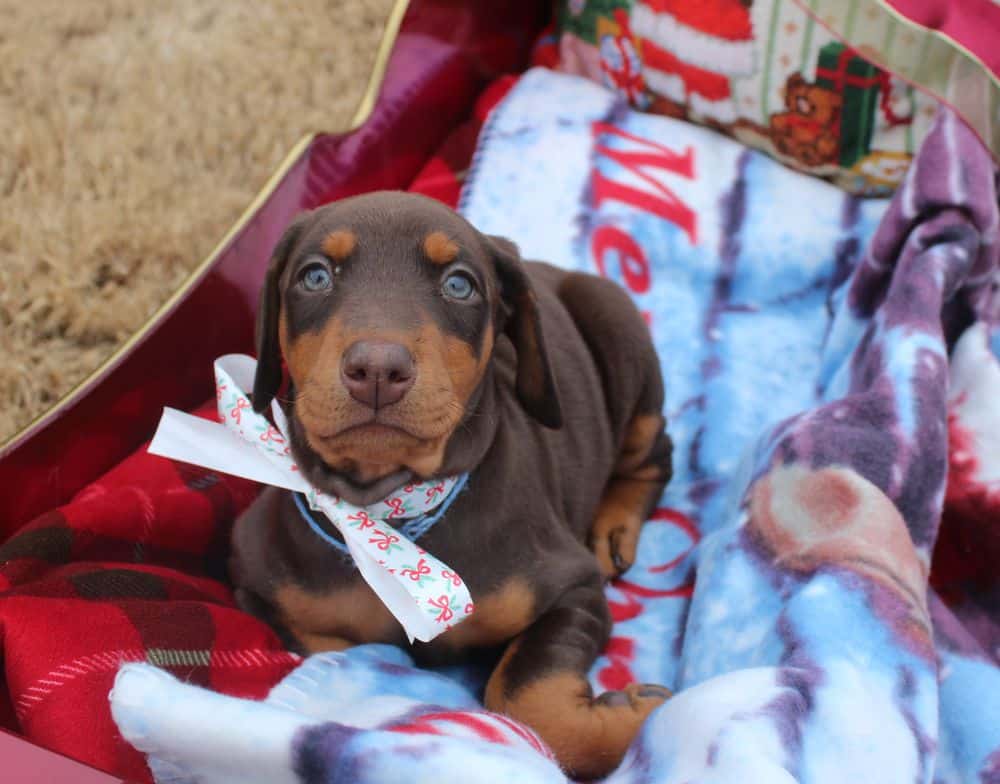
[626,610]
[685,524]
[617,674]
[629,601]
[631,259]
[663,202]
[682,591]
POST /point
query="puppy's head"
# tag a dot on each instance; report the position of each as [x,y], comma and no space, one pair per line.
[385,309]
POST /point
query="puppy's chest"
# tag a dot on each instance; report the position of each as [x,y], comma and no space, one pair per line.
[350,613]
[513,568]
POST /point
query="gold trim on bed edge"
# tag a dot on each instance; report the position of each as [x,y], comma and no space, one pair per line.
[943,68]
[365,107]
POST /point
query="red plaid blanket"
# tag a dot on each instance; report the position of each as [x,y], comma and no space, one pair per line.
[131,570]
[134,569]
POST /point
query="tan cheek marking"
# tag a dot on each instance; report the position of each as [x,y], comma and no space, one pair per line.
[313,362]
[439,248]
[336,619]
[301,357]
[464,368]
[450,362]
[314,354]
[339,244]
[447,361]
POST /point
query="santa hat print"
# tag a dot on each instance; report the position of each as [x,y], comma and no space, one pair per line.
[692,49]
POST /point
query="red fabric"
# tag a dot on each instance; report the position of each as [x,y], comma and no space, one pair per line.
[133,569]
[546,50]
[840,77]
[709,85]
[968,546]
[726,19]
[975,24]
[130,570]
[442,176]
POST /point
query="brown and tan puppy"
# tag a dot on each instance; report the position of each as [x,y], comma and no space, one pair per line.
[416,346]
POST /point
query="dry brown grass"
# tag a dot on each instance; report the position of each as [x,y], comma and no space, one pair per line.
[132,134]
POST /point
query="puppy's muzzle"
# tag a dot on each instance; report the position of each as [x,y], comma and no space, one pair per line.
[377,373]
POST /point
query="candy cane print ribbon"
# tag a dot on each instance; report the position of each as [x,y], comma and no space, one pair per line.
[426,596]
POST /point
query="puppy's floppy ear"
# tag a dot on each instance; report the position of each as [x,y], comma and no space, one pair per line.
[267,380]
[536,388]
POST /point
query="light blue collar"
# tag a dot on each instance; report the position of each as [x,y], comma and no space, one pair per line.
[412,529]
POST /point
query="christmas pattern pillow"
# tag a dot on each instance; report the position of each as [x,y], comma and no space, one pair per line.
[763,71]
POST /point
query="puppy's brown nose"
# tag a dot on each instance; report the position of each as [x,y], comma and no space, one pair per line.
[377,373]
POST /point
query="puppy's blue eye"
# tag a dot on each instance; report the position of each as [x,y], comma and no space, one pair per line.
[458,285]
[316,277]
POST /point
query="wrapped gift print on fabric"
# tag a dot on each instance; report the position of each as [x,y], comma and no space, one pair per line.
[763,71]
[858,83]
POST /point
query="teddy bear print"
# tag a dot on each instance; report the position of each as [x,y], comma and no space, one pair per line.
[809,130]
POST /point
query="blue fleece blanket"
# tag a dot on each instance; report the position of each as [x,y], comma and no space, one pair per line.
[820,369]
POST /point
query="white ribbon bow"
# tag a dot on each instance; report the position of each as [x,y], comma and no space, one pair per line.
[424,595]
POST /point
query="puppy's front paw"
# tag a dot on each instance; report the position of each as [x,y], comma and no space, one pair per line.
[588,735]
[641,697]
[614,540]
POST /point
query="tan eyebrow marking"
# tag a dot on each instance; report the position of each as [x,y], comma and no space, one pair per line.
[439,248]
[339,244]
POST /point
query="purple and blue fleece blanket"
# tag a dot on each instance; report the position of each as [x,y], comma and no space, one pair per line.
[833,390]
